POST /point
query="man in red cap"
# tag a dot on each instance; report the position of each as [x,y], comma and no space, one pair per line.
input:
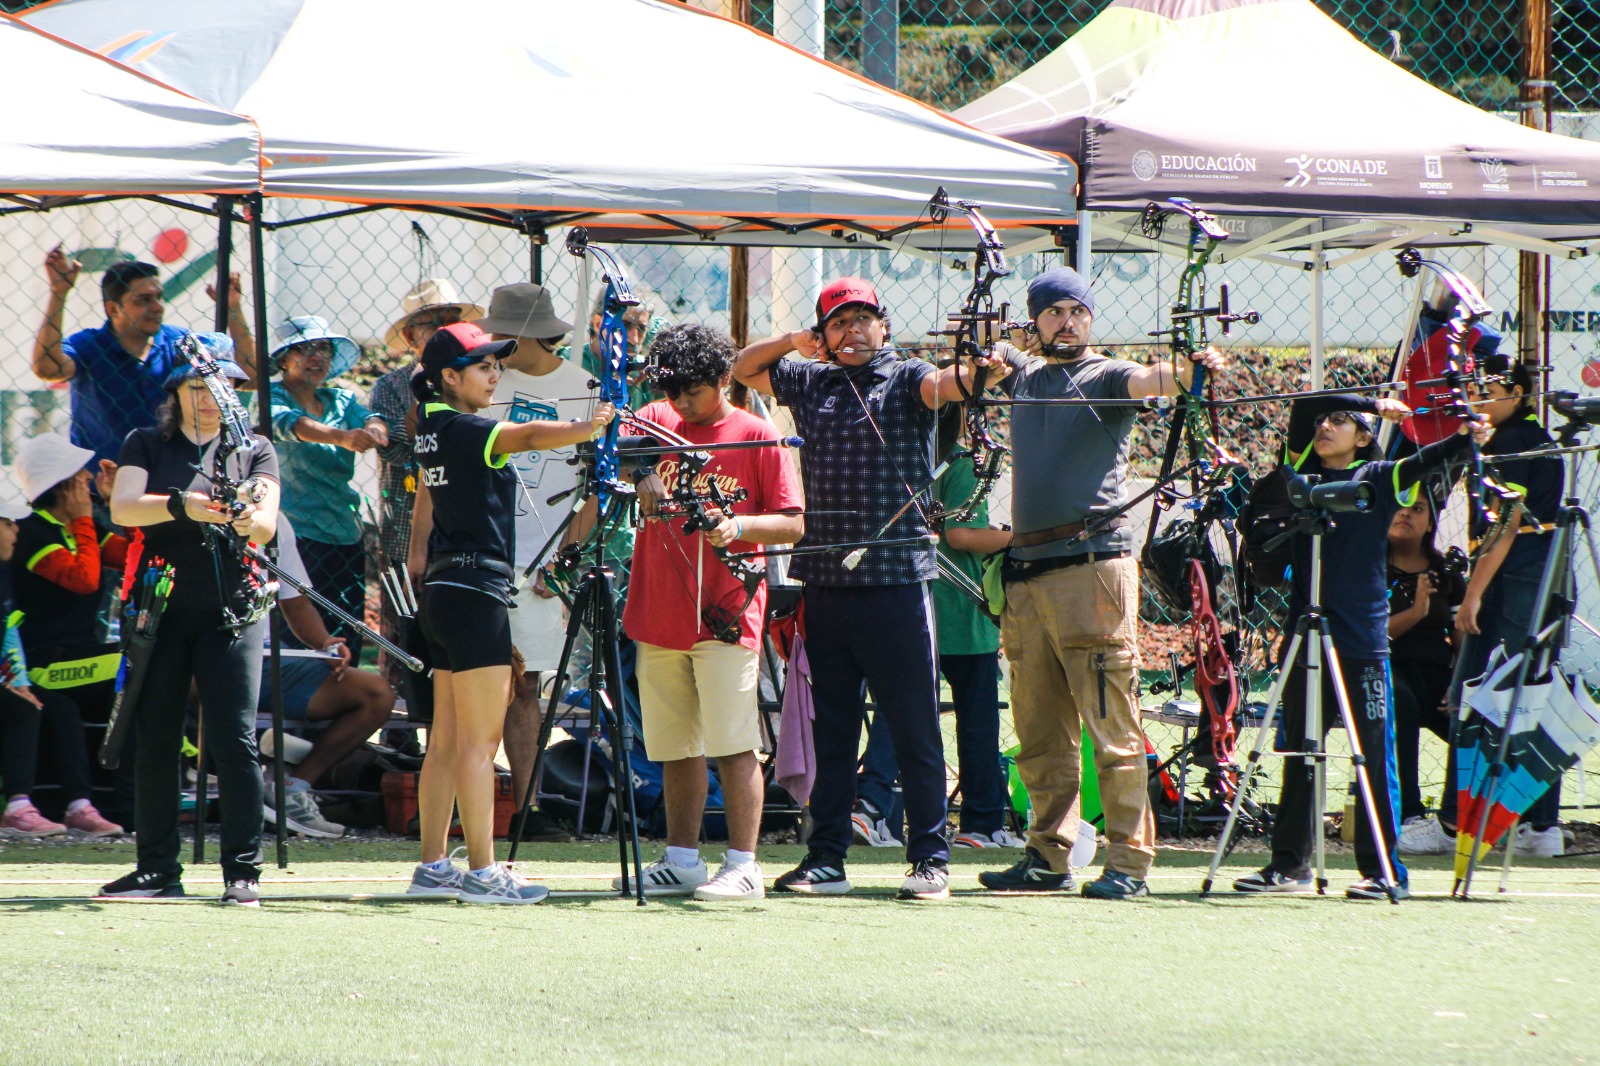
[868,418]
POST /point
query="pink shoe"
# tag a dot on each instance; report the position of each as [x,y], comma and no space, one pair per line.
[27,822]
[88,822]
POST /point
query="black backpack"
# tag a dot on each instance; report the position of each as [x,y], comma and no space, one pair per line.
[1266,515]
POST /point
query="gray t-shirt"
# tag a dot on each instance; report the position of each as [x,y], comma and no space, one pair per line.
[1069,462]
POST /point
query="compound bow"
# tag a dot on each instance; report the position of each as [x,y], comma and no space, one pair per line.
[1216,677]
[235,437]
[967,332]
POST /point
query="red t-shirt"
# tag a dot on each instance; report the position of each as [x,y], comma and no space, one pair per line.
[667,578]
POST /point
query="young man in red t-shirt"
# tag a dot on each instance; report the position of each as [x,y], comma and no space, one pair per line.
[698,692]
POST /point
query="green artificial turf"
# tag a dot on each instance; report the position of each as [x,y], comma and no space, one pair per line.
[862,979]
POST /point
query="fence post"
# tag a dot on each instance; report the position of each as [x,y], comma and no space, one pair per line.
[1533,282]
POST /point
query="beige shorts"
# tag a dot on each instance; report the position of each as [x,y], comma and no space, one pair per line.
[698,702]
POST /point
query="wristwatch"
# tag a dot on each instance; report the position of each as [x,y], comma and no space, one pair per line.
[177,502]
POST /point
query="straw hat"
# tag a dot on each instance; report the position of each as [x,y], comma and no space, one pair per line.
[427,295]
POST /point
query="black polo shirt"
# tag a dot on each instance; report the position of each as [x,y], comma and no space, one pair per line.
[1539,481]
[199,576]
[474,492]
[855,481]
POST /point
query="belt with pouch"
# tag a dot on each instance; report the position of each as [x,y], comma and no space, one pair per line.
[1022,569]
[468,561]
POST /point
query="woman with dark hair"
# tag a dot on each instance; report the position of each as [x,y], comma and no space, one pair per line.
[1334,437]
[212,631]
[464,483]
[1424,590]
[1497,608]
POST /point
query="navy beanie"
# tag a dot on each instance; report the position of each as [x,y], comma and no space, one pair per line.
[1062,283]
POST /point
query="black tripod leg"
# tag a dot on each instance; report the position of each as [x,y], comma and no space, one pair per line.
[201,798]
[547,724]
[621,729]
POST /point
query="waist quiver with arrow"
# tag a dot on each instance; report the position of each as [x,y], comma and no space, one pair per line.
[141,618]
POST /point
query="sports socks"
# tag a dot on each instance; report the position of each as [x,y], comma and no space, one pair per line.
[684,858]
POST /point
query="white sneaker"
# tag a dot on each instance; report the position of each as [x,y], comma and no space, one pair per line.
[1425,836]
[661,878]
[734,882]
[500,884]
[1000,838]
[1540,843]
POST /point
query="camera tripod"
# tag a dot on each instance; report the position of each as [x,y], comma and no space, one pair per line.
[593,609]
[1311,636]
[1556,600]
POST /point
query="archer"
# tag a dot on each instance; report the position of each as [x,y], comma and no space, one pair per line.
[697,617]
[1070,622]
[868,420]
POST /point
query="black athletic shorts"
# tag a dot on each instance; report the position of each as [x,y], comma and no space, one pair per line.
[466,628]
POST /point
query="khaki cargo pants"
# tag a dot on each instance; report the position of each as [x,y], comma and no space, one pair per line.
[1070,635]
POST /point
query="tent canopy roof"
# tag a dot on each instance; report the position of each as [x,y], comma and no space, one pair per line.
[1269,107]
[107,130]
[635,113]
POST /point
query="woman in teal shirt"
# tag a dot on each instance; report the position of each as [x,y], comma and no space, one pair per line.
[319,429]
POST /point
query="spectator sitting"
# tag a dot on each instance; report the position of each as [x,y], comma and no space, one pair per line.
[354,703]
[63,550]
[319,430]
[117,370]
[430,305]
[23,712]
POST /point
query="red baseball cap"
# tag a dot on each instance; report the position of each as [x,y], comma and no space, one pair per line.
[457,345]
[845,292]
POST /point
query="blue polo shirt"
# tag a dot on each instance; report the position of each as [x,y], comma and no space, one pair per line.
[114,393]
[854,481]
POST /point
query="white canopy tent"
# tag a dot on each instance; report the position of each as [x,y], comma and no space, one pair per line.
[547,113]
[80,125]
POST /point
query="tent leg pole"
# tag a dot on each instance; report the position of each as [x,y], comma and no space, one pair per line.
[1318,269]
[219,320]
[1085,245]
[258,300]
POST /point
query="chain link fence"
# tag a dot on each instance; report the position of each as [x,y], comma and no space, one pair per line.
[354,270]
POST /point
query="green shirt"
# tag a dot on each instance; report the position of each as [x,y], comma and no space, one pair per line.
[963,630]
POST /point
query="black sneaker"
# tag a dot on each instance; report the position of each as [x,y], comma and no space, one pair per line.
[1031,874]
[817,875]
[1270,880]
[1114,884]
[540,828]
[145,884]
[1375,888]
[928,879]
[242,893]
